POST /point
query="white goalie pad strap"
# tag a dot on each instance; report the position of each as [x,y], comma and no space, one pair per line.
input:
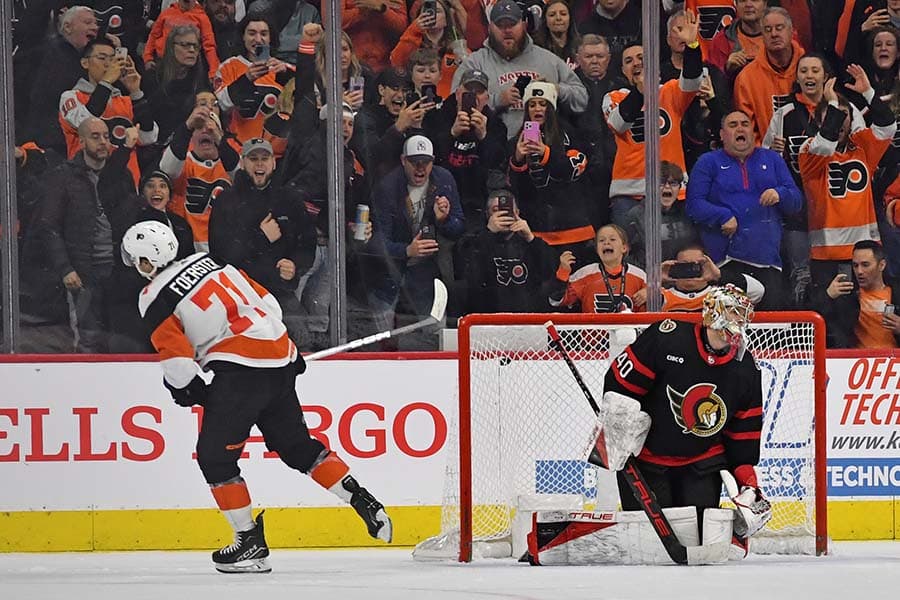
[596,538]
[619,433]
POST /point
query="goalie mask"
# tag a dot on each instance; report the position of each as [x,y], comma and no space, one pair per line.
[152,241]
[728,309]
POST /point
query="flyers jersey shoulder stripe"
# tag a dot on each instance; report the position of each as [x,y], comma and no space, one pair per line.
[202,310]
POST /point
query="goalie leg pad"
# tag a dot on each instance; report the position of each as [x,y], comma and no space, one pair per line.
[595,538]
[620,431]
[717,531]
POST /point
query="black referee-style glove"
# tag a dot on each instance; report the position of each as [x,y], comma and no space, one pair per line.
[193,393]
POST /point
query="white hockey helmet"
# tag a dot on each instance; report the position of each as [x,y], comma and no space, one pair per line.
[151,240]
[729,309]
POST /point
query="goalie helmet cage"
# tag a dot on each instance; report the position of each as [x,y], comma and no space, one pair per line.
[523,424]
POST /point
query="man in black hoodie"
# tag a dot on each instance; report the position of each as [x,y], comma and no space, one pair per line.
[265,230]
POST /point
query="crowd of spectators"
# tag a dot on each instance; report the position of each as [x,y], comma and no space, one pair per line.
[495,144]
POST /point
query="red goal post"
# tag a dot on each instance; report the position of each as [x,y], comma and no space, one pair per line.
[496,461]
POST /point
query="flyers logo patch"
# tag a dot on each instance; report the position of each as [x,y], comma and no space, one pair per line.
[714,18]
[637,129]
[199,194]
[698,411]
[117,127]
[779,101]
[578,161]
[602,304]
[844,177]
[511,271]
[793,143]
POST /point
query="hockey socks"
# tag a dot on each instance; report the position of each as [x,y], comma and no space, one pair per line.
[333,474]
[233,499]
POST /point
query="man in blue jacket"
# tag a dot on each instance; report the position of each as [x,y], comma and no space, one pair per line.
[738,196]
[416,213]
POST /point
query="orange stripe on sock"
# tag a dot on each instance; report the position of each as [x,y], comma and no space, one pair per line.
[329,471]
[231,496]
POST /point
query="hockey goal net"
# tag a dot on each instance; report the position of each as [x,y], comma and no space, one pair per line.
[523,425]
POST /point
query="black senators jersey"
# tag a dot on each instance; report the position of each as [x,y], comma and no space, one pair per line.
[706,409]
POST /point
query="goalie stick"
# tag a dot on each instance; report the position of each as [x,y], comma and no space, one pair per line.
[680,554]
[438,307]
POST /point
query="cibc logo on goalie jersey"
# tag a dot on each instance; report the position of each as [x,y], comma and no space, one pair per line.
[699,410]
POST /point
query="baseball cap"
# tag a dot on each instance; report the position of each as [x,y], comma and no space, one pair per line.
[255,144]
[540,89]
[474,76]
[346,111]
[157,174]
[506,9]
[418,146]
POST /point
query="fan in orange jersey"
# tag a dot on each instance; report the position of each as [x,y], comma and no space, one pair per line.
[97,96]
[687,293]
[608,286]
[714,16]
[837,167]
[206,313]
[249,85]
[766,84]
[200,161]
[624,112]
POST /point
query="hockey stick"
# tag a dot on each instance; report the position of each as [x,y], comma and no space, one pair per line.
[691,555]
[438,307]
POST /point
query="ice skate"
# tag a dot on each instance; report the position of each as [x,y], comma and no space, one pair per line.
[247,554]
[370,509]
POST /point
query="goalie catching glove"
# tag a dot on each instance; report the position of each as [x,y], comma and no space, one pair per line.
[752,511]
[620,432]
[191,394]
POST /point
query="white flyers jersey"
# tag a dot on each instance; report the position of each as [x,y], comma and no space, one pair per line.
[200,310]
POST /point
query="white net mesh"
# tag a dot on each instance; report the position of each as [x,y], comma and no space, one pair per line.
[530,424]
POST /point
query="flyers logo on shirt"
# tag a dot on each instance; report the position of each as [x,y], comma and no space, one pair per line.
[794,142]
[117,127]
[699,410]
[714,18]
[779,101]
[510,270]
[844,177]
[637,129]
[199,194]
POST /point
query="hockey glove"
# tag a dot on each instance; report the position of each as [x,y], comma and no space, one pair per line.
[193,393]
[753,511]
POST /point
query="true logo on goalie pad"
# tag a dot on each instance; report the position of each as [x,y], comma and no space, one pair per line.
[699,411]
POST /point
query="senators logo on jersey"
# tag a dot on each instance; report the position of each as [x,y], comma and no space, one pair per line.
[199,194]
[843,177]
[637,129]
[511,271]
[699,410]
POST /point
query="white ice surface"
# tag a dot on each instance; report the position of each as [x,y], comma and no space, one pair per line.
[855,571]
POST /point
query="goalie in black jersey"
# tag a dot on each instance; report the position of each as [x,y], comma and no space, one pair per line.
[703,393]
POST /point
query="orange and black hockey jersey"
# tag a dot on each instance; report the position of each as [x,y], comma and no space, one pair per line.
[838,185]
[705,407]
[200,310]
[195,185]
[602,291]
[713,17]
[625,115]
[117,112]
[249,102]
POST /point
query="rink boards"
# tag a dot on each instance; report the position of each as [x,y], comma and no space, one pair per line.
[95,455]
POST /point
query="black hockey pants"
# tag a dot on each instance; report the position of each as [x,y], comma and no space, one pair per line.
[240,397]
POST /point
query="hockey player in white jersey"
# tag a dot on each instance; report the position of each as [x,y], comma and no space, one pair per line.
[205,314]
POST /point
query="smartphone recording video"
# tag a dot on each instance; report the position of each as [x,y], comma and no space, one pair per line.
[686,270]
[468,102]
[263,53]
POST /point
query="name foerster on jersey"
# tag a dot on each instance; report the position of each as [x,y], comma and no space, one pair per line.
[699,410]
[511,270]
[185,281]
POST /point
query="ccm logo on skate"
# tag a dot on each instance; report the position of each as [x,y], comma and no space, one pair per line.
[364,430]
[675,359]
